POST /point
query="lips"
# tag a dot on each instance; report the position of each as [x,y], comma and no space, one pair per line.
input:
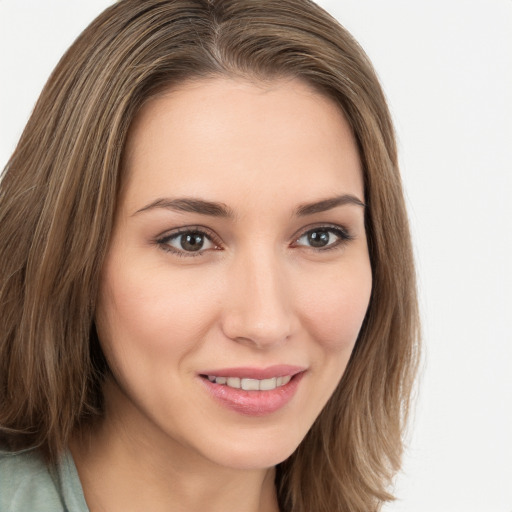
[253,391]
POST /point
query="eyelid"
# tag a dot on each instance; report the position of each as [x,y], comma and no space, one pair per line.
[343,234]
[341,231]
[163,239]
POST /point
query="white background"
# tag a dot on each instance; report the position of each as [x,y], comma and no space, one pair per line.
[446,66]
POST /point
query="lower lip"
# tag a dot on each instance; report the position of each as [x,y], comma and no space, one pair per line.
[253,403]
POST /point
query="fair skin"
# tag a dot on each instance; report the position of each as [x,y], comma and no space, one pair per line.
[271,281]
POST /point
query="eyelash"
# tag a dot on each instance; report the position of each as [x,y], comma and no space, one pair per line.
[163,242]
[342,234]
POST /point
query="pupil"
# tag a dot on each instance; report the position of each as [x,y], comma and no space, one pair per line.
[318,238]
[192,242]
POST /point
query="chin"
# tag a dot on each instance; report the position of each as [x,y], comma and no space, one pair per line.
[252,454]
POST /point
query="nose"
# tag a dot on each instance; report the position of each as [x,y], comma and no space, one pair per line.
[258,309]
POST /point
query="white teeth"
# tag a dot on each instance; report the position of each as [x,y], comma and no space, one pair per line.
[233,382]
[251,384]
[268,384]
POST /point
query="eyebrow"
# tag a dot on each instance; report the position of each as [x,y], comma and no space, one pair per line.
[190,205]
[328,204]
[213,209]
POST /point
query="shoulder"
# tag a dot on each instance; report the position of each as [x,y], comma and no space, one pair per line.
[26,483]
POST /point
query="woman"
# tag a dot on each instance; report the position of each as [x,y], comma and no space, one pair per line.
[207,293]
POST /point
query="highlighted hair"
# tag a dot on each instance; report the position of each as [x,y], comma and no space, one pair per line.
[57,201]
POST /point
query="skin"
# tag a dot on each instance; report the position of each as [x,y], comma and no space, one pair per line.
[256,294]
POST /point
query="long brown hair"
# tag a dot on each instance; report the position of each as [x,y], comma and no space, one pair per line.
[57,202]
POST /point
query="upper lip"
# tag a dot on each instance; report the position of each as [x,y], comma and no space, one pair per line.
[247,372]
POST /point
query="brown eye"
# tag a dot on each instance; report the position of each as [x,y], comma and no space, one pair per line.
[187,242]
[192,241]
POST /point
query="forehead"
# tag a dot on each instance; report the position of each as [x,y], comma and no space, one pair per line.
[209,135]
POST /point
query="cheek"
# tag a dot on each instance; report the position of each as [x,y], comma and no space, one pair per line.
[336,305]
[150,312]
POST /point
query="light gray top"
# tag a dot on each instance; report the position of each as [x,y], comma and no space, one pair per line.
[28,485]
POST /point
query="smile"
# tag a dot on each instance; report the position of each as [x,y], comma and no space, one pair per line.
[253,391]
[251,384]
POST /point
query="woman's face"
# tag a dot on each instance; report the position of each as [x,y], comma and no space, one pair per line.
[238,258]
